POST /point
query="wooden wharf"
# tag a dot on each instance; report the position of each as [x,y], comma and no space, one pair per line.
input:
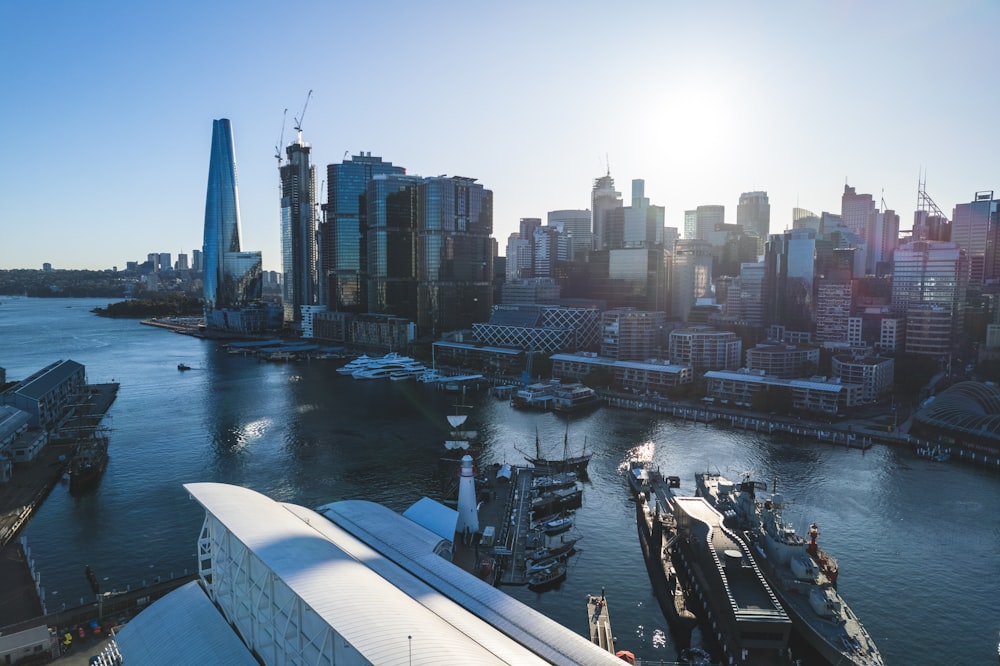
[600,623]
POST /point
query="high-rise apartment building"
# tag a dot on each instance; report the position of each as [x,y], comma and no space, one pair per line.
[298,232]
[232,278]
[753,214]
[342,236]
[974,226]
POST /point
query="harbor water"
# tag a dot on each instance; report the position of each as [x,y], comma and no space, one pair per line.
[918,542]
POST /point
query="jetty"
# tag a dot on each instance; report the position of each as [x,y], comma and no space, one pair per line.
[600,623]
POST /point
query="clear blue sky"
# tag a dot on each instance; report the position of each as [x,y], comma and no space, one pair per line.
[108,106]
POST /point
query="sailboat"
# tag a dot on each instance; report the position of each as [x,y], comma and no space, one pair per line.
[577,464]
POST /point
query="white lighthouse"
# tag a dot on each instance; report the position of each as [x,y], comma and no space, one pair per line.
[468,516]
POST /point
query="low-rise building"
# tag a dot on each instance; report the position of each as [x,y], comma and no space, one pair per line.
[816,394]
[49,393]
[640,376]
[705,348]
[779,359]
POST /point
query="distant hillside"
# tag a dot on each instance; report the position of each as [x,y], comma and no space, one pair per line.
[62,284]
[154,305]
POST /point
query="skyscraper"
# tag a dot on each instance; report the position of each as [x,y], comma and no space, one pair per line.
[298,232]
[973,227]
[231,276]
[929,283]
[577,224]
[343,251]
[708,218]
[753,214]
[603,200]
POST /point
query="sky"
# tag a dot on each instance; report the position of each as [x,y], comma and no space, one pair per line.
[108,106]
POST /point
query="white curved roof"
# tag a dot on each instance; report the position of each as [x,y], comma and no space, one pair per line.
[372,603]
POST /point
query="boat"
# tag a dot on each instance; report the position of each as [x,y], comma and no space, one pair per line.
[573,398]
[554,501]
[548,577]
[935,453]
[554,481]
[803,576]
[565,545]
[557,525]
[537,396]
[542,565]
[576,464]
[182,367]
[359,363]
[88,463]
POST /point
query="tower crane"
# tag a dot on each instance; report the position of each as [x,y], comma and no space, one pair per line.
[281,139]
[301,117]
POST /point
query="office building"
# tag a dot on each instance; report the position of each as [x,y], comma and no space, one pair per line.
[628,334]
[790,264]
[232,277]
[691,276]
[974,227]
[603,200]
[753,215]
[577,225]
[343,245]
[930,280]
[707,219]
[299,252]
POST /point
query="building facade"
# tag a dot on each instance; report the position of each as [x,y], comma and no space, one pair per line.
[299,254]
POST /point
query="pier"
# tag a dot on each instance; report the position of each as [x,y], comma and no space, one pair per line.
[599,621]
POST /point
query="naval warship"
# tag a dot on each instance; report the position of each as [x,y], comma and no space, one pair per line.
[801,574]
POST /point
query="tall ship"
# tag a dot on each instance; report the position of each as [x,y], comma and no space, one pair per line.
[801,574]
[88,464]
[576,464]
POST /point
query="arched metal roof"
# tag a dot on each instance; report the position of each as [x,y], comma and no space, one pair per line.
[967,407]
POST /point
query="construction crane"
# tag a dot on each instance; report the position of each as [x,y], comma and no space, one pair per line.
[281,139]
[301,117]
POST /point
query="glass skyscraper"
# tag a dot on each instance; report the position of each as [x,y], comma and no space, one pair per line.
[232,278]
[343,255]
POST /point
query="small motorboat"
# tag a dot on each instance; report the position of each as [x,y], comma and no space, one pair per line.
[557,525]
[182,367]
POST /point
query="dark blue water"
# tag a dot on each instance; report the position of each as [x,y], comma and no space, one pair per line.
[917,542]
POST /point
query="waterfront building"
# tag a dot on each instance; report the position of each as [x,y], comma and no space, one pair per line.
[753,215]
[628,334]
[540,328]
[966,413]
[705,348]
[390,242]
[875,375]
[817,394]
[690,276]
[779,359]
[342,233]
[639,376]
[47,394]
[335,593]
[603,200]
[975,227]
[299,253]
[231,277]
[487,359]
[577,225]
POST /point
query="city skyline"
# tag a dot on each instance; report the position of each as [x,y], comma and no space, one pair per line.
[535,102]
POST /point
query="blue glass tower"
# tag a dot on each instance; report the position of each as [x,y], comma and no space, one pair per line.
[231,276]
